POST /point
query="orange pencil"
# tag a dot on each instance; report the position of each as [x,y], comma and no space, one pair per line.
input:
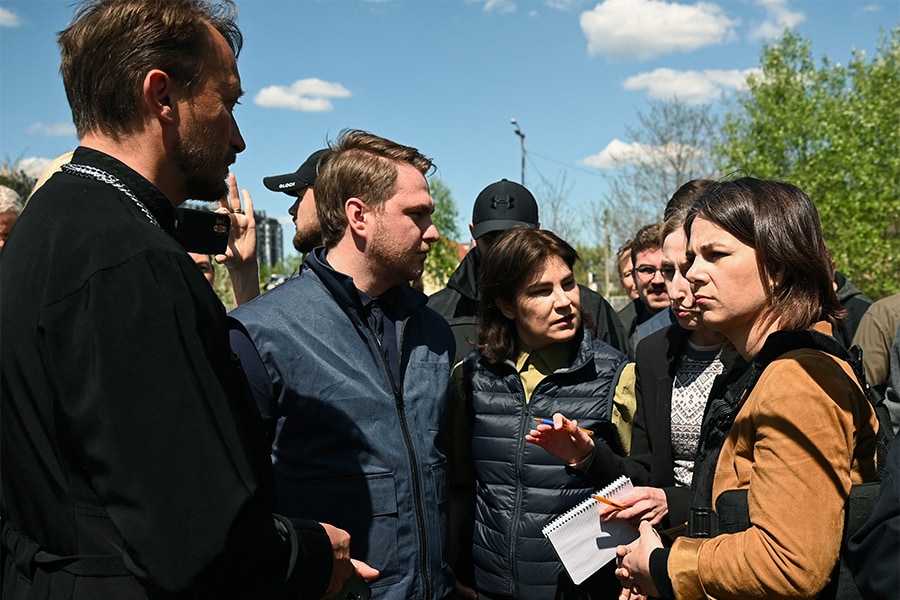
[600,498]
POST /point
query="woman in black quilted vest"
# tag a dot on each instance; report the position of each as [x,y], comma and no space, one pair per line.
[535,356]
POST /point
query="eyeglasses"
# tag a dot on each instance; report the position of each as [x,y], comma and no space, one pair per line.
[646,272]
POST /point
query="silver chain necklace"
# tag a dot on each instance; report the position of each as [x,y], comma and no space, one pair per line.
[89,172]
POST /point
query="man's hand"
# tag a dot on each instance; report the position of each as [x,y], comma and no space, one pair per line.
[240,255]
[344,566]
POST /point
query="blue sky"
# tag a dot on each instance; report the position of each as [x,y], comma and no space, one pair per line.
[447,76]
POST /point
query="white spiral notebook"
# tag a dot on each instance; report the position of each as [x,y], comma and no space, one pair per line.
[583,543]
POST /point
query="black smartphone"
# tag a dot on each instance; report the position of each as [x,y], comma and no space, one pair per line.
[356,588]
[202,231]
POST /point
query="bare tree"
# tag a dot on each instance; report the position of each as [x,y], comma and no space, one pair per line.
[672,145]
[555,213]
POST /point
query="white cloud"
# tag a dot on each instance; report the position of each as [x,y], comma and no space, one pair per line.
[33,165]
[52,129]
[307,95]
[618,154]
[501,6]
[778,18]
[614,155]
[643,29]
[8,18]
[692,87]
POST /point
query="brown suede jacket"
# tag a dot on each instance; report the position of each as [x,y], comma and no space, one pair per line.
[805,434]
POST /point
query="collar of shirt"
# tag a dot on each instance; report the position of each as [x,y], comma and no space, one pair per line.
[534,365]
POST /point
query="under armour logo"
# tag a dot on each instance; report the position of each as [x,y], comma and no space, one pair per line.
[507,203]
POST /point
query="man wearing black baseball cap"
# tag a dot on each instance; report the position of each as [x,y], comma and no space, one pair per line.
[300,184]
[500,206]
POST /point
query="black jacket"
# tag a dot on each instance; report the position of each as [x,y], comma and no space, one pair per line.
[128,430]
[458,303]
[855,303]
[651,460]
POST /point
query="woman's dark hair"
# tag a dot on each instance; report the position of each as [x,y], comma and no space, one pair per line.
[780,222]
[509,264]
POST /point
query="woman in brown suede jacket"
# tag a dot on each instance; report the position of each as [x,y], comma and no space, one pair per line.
[794,429]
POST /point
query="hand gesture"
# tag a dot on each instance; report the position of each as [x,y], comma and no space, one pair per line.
[644,504]
[563,439]
[240,255]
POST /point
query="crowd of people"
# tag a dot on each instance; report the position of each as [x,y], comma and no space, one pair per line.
[343,435]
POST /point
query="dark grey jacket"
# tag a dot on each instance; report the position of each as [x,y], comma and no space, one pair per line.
[352,446]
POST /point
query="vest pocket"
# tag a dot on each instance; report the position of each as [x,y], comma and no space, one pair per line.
[364,505]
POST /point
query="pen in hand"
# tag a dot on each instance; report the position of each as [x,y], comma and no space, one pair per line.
[550,422]
[600,498]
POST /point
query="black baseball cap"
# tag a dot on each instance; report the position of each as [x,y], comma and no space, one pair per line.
[501,206]
[289,183]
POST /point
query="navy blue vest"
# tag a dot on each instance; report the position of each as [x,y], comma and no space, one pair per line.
[520,487]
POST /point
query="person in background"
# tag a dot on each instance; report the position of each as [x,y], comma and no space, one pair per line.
[240,254]
[794,429]
[300,185]
[500,206]
[52,167]
[646,260]
[350,369]
[626,271]
[874,335]
[535,355]
[10,209]
[855,304]
[880,353]
[133,458]
[204,263]
[674,371]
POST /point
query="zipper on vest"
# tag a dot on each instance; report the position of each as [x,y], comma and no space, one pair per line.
[517,504]
[413,462]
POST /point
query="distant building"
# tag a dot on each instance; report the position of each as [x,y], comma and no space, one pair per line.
[269,243]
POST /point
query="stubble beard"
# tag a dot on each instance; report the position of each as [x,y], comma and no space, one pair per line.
[195,160]
[307,238]
[393,264]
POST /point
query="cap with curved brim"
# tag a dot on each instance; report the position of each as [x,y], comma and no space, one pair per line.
[305,176]
[501,206]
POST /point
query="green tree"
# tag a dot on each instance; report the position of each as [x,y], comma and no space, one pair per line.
[834,131]
[443,257]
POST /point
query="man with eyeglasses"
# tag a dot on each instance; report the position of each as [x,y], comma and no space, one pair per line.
[650,311]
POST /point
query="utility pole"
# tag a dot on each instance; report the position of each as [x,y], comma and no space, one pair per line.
[522,139]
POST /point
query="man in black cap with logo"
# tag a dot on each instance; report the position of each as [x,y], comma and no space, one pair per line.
[300,184]
[501,206]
